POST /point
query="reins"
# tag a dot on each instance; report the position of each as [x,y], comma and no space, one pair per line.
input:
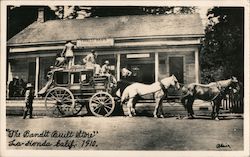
[219,88]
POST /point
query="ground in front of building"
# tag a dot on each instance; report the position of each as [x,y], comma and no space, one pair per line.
[124,133]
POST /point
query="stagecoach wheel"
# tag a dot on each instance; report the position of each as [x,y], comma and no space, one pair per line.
[59,101]
[102,104]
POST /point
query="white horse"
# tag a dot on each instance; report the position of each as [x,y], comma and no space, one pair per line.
[157,89]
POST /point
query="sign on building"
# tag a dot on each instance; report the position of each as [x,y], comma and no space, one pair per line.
[95,43]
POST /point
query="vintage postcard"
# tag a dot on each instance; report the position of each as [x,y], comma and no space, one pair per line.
[137,78]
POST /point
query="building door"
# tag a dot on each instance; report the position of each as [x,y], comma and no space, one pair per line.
[176,68]
[32,73]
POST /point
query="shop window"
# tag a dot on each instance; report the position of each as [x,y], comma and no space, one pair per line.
[142,67]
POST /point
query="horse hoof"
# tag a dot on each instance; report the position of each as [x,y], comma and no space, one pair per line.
[190,117]
[217,119]
[155,116]
[161,116]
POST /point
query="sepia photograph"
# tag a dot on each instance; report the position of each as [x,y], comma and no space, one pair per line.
[118,79]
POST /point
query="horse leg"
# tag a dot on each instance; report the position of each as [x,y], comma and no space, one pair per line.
[190,102]
[129,106]
[161,108]
[156,107]
[183,101]
[133,105]
[213,107]
[217,105]
[162,97]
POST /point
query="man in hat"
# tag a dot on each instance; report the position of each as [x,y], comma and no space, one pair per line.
[29,96]
[105,68]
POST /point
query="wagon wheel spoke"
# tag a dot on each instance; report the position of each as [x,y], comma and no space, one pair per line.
[97,102]
[64,94]
[97,99]
[107,99]
[106,110]
[108,106]
[67,97]
[65,102]
[99,109]
[53,96]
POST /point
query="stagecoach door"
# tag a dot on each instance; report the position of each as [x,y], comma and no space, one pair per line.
[176,67]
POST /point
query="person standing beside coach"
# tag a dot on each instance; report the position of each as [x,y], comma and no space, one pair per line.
[29,97]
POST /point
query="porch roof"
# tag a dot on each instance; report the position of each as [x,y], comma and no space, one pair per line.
[109,27]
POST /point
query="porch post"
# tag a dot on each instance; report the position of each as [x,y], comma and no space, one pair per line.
[196,65]
[37,76]
[9,78]
[10,75]
[156,66]
[118,65]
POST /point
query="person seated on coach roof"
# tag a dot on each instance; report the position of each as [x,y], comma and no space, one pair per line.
[60,59]
[105,68]
[90,60]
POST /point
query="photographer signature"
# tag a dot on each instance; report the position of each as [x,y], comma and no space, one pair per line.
[222,145]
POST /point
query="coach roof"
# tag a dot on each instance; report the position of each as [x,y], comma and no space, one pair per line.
[110,27]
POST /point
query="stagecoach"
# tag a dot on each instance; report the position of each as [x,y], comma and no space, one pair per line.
[71,89]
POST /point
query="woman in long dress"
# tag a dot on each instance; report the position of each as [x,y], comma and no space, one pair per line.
[68,53]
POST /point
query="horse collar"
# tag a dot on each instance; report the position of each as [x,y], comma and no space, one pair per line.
[162,86]
[219,85]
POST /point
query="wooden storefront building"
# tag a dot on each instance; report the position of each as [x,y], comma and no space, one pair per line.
[151,46]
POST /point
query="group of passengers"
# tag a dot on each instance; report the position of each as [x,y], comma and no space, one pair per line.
[66,57]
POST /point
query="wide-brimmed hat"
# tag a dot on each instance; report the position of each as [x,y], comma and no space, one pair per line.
[106,62]
[29,85]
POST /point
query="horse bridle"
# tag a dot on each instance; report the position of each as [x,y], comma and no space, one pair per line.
[221,89]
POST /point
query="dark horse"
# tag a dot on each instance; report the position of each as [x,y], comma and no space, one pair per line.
[213,92]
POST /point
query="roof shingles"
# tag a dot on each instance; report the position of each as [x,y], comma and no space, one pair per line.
[110,27]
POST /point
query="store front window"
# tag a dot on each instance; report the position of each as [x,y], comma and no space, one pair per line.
[112,58]
[142,66]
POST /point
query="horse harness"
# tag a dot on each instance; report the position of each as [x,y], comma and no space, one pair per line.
[163,88]
[221,90]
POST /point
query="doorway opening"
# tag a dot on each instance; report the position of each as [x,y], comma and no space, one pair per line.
[176,67]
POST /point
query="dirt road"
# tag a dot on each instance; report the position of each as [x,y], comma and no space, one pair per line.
[123,133]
